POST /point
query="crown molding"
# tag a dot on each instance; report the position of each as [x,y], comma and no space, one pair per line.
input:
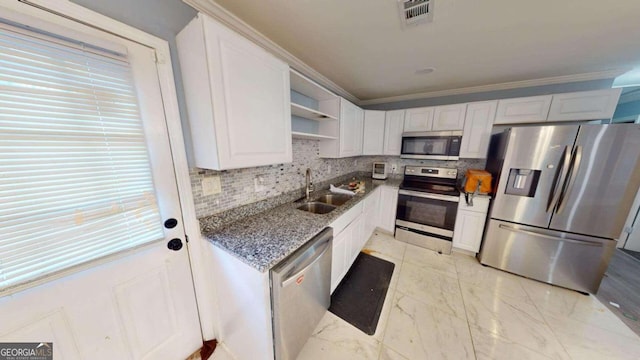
[501,86]
[221,14]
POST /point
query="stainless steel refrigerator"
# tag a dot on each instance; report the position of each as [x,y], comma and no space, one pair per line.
[562,196]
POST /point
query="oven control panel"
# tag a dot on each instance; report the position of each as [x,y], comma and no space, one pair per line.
[431,172]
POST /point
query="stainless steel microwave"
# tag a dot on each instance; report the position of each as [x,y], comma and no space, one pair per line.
[432,145]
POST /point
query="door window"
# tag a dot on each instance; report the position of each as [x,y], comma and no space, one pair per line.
[75,178]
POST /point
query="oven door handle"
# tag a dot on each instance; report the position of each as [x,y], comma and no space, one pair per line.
[429,195]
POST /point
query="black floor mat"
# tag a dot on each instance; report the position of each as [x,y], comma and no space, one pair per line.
[359,298]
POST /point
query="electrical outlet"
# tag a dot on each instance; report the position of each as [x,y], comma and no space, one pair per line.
[211,186]
[259,183]
[394,168]
[329,169]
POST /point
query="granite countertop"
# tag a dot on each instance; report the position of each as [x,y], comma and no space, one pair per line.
[266,238]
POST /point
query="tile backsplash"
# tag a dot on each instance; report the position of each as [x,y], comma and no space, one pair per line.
[238,185]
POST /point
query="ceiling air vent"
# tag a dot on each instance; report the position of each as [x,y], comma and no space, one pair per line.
[414,12]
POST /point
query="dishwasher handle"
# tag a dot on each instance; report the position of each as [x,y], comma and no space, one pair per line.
[309,262]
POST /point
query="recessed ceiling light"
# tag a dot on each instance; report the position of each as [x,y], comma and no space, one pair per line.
[425,71]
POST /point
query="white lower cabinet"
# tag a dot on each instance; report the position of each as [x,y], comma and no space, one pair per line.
[372,211]
[470,220]
[388,204]
[350,233]
[358,240]
[339,256]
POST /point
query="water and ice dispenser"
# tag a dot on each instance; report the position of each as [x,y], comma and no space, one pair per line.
[522,182]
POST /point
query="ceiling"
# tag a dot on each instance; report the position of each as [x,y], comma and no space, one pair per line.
[362,46]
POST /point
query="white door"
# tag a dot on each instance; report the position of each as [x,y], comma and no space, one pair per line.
[339,252]
[477,129]
[468,230]
[371,211]
[134,302]
[388,205]
[531,109]
[394,123]
[250,99]
[351,118]
[373,133]
[449,117]
[419,119]
[584,105]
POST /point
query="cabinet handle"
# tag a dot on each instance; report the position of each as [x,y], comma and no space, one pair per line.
[550,237]
[311,262]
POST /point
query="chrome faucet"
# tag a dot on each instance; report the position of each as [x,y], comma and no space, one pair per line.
[309,184]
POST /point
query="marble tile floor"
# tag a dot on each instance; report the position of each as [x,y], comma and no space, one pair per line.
[451,307]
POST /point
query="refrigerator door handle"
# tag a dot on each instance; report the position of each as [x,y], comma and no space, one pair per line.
[550,237]
[573,173]
[562,176]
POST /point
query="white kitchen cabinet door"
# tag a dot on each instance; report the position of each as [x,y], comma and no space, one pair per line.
[584,105]
[373,133]
[467,233]
[341,246]
[371,212]
[477,129]
[351,119]
[238,98]
[449,117]
[356,244]
[388,204]
[394,125]
[418,119]
[532,109]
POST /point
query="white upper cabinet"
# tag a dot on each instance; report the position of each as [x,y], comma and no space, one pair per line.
[477,129]
[532,109]
[435,118]
[418,119]
[347,131]
[449,117]
[351,120]
[394,125]
[585,105]
[238,98]
[373,139]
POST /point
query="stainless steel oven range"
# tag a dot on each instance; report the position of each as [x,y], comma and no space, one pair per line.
[427,207]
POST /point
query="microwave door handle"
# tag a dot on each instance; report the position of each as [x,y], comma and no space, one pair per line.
[573,174]
[561,176]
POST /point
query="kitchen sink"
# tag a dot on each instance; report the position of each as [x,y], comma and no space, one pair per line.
[334,199]
[316,207]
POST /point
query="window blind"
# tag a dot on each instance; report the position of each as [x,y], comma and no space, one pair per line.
[75,177]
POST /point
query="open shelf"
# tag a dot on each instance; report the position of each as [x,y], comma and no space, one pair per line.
[307,136]
[307,87]
[308,113]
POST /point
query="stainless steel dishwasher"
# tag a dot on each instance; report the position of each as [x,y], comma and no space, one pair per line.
[300,294]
